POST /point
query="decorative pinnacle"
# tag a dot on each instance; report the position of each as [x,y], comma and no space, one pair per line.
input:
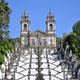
[50,12]
[25,12]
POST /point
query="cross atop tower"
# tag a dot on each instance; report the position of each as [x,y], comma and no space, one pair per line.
[25,21]
[26,13]
[25,16]
[50,13]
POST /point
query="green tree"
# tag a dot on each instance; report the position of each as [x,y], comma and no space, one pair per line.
[1,59]
[58,39]
[76,28]
[5,46]
[73,39]
[4,19]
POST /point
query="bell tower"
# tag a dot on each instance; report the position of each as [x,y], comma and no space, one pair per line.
[25,29]
[50,24]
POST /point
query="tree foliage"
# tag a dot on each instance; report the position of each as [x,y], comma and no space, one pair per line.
[1,59]
[5,45]
[73,39]
[58,39]
[4,19]
[76,28]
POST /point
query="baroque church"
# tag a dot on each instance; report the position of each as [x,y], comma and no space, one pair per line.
[38,38]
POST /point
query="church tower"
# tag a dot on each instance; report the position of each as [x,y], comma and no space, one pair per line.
[50,24]
[25,29]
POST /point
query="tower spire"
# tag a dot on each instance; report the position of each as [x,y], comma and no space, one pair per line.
[50,23]
[25,29]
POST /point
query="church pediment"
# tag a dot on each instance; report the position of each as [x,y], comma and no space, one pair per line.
[38,33]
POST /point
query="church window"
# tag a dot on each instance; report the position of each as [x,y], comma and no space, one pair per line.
[44,42]
[51,27]
[40,42]
[33,41]
[25,27]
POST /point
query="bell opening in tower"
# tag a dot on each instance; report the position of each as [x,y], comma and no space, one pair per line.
[25,26]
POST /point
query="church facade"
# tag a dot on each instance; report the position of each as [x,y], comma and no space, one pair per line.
[38,38]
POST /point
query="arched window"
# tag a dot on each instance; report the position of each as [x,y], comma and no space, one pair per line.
[25,26]
[33,41]
[51,27]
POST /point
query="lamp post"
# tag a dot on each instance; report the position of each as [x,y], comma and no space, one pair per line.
[13,72]
[66,77]
[72,68]
[12,75]
[2,73]
[63,69]
[6,70]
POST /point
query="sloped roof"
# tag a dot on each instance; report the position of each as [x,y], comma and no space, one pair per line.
[39,33]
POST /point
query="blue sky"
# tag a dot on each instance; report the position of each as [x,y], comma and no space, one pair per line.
[67,12]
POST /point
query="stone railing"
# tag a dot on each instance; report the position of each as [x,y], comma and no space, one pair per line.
[7,70]
[70,61]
